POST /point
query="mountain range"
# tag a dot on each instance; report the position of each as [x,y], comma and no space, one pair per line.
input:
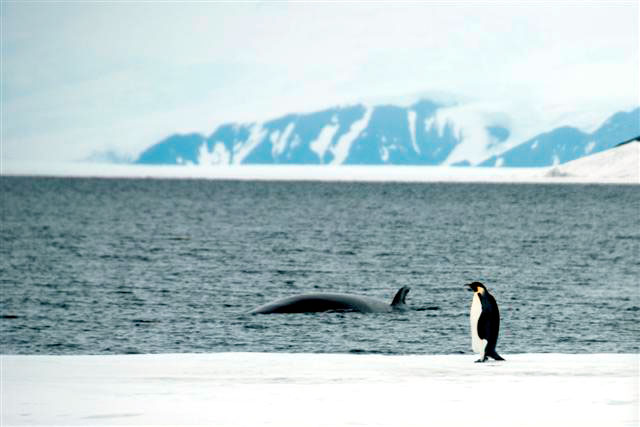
[424,133]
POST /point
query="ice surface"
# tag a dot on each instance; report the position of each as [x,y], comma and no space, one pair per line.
[249,389]
[620,164]
[617,165]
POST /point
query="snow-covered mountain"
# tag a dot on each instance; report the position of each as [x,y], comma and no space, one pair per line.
[567,143]
[424,133]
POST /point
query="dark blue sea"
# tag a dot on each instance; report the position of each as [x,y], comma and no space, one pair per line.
[110,266]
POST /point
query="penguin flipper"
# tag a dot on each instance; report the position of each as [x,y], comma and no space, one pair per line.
[484,325]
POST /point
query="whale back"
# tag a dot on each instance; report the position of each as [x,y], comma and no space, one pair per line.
[310,303]
[306,303]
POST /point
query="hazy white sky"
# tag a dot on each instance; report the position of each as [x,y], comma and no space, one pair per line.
[85,77]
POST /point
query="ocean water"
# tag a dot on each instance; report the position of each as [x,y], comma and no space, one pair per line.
[109,266]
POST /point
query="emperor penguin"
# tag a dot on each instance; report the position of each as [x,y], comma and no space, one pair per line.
[485,322]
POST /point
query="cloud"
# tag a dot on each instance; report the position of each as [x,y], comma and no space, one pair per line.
[86,77]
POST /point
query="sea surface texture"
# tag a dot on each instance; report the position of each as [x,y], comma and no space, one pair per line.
[109,266]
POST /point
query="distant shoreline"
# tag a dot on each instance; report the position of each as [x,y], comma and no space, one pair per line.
[320,173]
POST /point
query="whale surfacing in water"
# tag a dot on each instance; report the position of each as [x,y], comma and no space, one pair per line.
[314,303]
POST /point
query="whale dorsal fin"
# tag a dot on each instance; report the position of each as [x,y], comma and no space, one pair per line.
[399,299]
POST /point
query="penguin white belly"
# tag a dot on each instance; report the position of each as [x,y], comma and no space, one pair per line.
[477,344]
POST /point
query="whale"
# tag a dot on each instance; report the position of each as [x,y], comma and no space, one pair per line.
[320,302]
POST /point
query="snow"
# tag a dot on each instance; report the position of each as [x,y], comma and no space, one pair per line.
[341,149]
[285,172]
[255,137]
[412,116]
[219,155]
[619,164]
[279,141]
[275,389]
[469,123]
[322,143]
[384,154]
[335,173]
[295,143]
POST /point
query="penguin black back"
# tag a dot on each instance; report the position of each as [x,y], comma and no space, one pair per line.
[484,322]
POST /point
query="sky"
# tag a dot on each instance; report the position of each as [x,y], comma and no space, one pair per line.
[84,78]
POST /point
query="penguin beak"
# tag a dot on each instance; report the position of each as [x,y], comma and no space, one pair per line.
[470,287]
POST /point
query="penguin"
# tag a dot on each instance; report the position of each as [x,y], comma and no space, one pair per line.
[485,322]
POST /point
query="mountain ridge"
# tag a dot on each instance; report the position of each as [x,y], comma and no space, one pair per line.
[423,133]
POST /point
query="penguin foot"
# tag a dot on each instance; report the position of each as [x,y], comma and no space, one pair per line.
[484,359]
[495,356]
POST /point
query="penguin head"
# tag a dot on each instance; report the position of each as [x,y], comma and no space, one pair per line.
[477,287]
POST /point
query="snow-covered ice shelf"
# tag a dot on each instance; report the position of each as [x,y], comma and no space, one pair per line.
[250,389]
[619,165]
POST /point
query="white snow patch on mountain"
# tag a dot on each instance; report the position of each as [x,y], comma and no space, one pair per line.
[341,149]
[296,141]
[469,126]
[255,137]
[322,143]
[411,116]
[384,154]
[219,155]
[279,141]
[590,146]
[430,123]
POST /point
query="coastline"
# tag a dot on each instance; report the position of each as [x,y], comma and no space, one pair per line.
[319,173]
